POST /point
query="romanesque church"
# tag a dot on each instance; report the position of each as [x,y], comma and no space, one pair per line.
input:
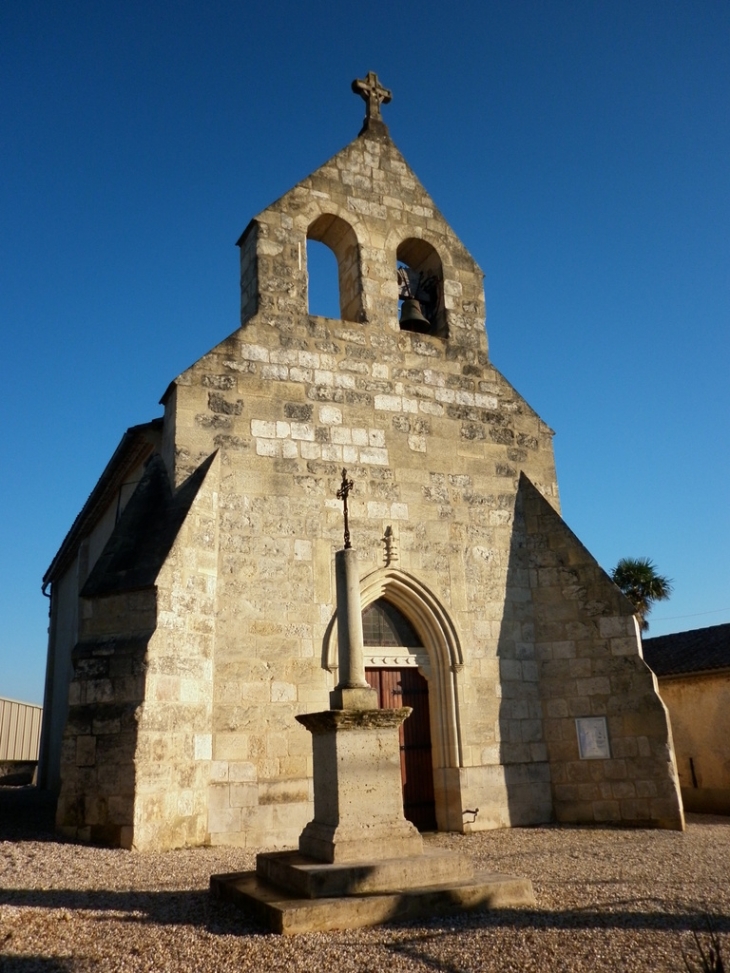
[193,606]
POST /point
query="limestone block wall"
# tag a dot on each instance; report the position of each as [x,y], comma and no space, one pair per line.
[699,709]
[98,778]
[174,739]
[589,652]
[514,785]
[137,747]
[434,443]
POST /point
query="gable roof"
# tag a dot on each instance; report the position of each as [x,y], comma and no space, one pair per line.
[146,531]
[700,650]
[324,191]
[136,445]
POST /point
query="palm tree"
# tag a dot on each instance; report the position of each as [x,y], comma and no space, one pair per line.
[639,581]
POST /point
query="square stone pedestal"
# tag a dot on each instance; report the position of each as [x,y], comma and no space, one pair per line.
[357,787]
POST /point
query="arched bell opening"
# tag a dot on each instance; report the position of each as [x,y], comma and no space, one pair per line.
[339,236]
[323,286]
[421,289]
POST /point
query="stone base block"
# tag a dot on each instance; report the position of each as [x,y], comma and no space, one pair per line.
[285,913]
[344,844]
[353,698]
[315,879]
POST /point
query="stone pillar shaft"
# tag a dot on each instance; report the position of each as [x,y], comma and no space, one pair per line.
[349,622]
[352,690]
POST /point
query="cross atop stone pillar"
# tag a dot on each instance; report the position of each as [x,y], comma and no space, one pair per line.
[342,494]
[374,95]
[352,691]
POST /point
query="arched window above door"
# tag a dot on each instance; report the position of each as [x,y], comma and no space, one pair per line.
[384,625]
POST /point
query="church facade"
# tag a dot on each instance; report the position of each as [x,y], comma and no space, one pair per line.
[193,601]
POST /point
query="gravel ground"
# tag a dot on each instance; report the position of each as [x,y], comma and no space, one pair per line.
[608,900]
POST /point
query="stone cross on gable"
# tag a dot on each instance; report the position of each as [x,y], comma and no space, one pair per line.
[374,95]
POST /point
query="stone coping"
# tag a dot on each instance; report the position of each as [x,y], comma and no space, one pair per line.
[346,719]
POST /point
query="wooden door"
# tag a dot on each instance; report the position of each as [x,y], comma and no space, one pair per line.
[407,687]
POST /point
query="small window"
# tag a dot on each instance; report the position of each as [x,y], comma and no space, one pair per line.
[123,497]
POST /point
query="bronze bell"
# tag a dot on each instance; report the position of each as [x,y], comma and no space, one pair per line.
[411,317]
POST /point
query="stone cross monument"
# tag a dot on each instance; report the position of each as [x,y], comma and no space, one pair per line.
[357,777]
[352,690]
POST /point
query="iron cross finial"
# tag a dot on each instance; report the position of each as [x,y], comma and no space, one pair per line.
[374,95]
[342,494]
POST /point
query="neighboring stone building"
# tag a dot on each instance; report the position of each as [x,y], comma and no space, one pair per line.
[199,614]
[693,669]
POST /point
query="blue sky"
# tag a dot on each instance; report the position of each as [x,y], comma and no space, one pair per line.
[579,149]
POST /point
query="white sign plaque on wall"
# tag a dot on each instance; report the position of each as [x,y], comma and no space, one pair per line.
[592,738]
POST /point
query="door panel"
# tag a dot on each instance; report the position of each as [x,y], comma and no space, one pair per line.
[407,687]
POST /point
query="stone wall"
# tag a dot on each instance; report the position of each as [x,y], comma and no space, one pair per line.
[699,709]
[434,438]
[589,651]
[434,447]
[97,795]
[369,187]
[137,747]
[108,501]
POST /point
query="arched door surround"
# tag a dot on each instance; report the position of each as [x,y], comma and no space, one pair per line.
[441,666]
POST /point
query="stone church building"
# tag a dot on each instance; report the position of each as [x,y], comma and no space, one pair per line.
[193,599]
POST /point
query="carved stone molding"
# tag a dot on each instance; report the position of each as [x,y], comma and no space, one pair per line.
[395,658]
[348,719]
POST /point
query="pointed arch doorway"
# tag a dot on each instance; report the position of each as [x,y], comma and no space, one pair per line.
[393,652]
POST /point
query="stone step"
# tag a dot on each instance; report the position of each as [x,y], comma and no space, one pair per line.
[313,879]
[288,914]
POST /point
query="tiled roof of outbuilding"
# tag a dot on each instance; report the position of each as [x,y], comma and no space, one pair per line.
[700,650]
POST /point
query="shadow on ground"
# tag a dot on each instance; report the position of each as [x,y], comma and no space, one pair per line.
[197,908]
[27,814]
[37,964]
